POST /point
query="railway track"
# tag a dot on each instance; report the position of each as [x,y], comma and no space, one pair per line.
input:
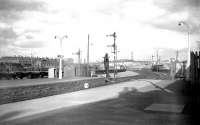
[148,74]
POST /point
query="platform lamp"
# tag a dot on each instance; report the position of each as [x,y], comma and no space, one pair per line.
[60,56]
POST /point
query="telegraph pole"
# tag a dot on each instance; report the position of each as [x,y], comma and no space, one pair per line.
[88,54]
[157,56]
[177,54]
[88,49]
[117,52]
[114,47]
[152,59]
[157,60]
[31,58]
[79,56]
[132,55]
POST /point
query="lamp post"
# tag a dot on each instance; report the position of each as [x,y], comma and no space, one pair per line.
[188,39]
[60,56]
[188,42]
[88,49]
[114,46]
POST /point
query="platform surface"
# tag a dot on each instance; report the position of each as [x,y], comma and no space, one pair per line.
[171,108]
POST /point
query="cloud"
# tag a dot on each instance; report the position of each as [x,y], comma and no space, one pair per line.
[11,10]
[29,37]
[178,10]
[30,44]
[34,28]
[7,36]
[172,25]
[177,5]
[20,5]
[7,33]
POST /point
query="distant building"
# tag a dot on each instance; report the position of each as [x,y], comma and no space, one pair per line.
[8,60]
[32,61]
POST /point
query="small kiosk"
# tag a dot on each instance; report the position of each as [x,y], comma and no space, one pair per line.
[52,73]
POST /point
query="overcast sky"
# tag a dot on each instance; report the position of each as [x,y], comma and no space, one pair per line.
[29,26]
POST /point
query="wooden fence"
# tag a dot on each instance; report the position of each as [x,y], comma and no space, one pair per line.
[195,69]
[195,78]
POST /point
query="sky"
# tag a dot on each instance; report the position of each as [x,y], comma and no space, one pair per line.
[29,27]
